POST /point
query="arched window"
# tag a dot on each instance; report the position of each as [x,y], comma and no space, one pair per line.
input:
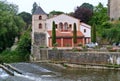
[40,17]
[40,26]
[61,26]
[66,26]
[84,30]
[70,26]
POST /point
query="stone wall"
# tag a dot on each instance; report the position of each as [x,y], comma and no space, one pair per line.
[40,39]
[85,57]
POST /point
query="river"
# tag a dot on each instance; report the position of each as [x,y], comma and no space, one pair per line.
[43,72]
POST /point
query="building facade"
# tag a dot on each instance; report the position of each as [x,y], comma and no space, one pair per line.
[42,30]
[114,9]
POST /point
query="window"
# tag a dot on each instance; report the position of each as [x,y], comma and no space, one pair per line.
[40,26]
[70,25]
[40,17]
[61,26]
[84,30]
[66,26]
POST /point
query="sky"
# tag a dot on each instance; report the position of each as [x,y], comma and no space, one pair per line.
[65,6]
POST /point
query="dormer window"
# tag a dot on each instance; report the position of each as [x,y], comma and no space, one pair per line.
[40,17]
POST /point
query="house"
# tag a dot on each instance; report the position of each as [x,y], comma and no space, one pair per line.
[42,30]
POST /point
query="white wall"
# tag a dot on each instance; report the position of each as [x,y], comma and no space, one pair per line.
[62,18]
[86,27]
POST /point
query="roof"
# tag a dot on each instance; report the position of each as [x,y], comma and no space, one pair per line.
[65,15]
[85,25]
[65,34]
[38,11]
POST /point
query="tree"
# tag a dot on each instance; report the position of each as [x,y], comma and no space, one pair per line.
[53,33]
[52,13]
[24,44]
[99,19]
[99,15]
[75,34]
[93,33]
[113,33]
[27,17]
[10,25]
[88,6]
[34,7]
[83,13]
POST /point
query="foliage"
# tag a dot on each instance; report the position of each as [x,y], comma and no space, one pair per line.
[55,12]
[53,33]
[24,45]
[34,7]
[75,34]
[113,34]
[83,13]
[27,17]
[99,20]
[21,53]
[93,33]
[87,5]
[8,56]
[99,15]
[10,25]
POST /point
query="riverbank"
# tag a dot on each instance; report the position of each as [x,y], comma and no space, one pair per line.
[65,66]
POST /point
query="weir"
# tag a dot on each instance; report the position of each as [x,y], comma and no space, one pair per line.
[7,70]
[42,72]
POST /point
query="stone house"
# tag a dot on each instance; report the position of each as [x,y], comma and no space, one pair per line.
[42,30]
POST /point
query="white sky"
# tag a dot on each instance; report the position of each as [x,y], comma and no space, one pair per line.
[57,5]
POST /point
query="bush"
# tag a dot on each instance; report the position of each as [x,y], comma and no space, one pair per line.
[8,56]
[24,45]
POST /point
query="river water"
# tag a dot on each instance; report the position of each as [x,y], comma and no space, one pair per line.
[43,72]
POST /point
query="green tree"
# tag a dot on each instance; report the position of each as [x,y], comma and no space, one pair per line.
[34,7]
[99,18]
[53,33]
[75,34]
[93,33]
[24,45]
[10,25]
[27,17]
[113,33]
[55,13]
[88,6]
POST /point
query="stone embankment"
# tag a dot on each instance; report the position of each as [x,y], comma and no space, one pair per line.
[89,59]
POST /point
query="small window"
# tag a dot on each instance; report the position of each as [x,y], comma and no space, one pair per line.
[84,30]
[40,17]
[40,26]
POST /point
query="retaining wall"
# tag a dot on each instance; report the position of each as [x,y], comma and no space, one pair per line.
[85,57]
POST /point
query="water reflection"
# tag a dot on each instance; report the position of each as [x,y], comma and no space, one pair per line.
[40,72]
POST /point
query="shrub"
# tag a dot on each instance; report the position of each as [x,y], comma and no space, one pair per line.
[8,56]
